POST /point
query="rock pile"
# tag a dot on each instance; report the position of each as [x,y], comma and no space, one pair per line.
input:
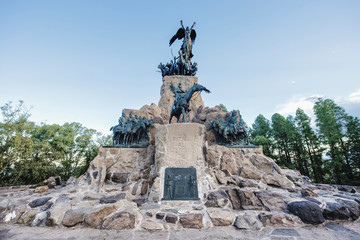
[238,187]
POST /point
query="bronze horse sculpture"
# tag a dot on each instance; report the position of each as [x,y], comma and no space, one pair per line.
[182,100]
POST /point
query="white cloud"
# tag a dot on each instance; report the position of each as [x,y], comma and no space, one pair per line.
[306,103]
[351,103]
[354,97]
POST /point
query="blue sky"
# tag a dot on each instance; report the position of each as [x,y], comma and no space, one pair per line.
[85,61]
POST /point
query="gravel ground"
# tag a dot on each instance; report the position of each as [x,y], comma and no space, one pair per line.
[329,231]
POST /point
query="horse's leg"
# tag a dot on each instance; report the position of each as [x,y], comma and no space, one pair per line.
[126,139]
[171,116]
[183,113]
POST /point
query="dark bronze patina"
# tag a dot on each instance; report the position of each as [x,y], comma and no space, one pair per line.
[131,132]
[182,64]
[230,132]
[180,184]
[182,100]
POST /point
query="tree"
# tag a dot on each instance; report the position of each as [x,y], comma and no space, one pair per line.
[92,151]
[222,106]
[15,140]
[281,136]
[331,121]
[296,143]
[353,144]
[311,144]
[261,135]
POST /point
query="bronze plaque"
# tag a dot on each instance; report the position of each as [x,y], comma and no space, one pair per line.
[180,184]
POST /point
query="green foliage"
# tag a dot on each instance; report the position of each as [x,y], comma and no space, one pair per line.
[222,106]
[328,154]
[31,153]
[260,135]
[332,120]
[311,144]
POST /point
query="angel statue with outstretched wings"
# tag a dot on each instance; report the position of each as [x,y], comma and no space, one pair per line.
[188,35]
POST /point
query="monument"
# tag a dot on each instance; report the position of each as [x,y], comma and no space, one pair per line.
[199,172]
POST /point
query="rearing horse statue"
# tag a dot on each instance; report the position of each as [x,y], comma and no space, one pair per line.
[182,100]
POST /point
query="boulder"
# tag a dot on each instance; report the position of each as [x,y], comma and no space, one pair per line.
[244,199]
[313,200]
[352,206]
[279,219]
[57,211]
[16,210]
[41,189]
[307,192]
[278,180]
[234,198]
[119,221]
[341,209]
[119,177]
[113,198]
[221,217]
[151,225]
[39,202]
[272,201]
[171,218]
[53,181]
[192,220]
[160,215]
[217,199]
[95,217]
[40,219]
[250,172]
[91,196]
[144,188]
[295,176]
[3,205]
[249,200]
[335,210]
[158,114]
[350,196]
[73,217]
[227,163]
[308,212]
[28,216]
[71,182]
[248,221]
[220,176]
[249,183]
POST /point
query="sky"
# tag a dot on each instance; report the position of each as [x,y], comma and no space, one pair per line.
[85,61]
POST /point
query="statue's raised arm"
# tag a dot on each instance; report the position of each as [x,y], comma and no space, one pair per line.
[184,64]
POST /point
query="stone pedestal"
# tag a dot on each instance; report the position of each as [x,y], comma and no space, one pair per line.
[167,96]
[180,145]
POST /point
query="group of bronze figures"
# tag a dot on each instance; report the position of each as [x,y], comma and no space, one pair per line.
[181,65]
[231,131]
[131,131]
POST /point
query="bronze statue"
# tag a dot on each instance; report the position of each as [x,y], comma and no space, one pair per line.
[131,132]
[188,35]
[182,64]
[230,132]
[182,100]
